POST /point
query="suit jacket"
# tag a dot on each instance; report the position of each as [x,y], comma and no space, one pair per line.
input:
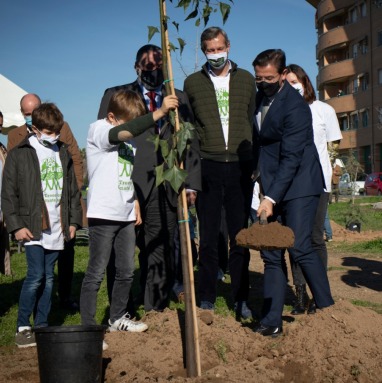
[284,148]
[146,158]
[17,135]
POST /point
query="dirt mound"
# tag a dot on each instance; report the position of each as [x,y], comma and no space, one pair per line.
[342,343]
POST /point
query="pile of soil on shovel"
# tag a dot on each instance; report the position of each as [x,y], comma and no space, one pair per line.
[266,237]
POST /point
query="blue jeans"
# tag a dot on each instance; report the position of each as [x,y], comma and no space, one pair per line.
[327,227]
[37,287]
[105,235]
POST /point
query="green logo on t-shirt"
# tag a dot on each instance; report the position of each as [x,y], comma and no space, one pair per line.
[51,179]
[125,166]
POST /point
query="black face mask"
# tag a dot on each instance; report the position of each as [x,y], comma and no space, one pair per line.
[268,88]
[151,79]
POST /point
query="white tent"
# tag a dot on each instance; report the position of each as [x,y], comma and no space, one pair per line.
[10,96]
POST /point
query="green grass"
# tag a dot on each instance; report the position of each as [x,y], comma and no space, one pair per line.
[10,286]
[377,307]
[370,219]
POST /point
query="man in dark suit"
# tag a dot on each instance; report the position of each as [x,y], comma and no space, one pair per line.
[291,181]
[158,204]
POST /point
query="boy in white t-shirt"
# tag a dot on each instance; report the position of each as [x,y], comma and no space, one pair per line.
[113,210]
[41,205]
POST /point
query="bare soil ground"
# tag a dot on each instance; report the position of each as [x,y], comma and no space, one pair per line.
[342,343]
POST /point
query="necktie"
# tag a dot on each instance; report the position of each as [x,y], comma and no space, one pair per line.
[153,104]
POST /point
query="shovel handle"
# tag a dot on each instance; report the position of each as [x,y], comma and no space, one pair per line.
[263,218]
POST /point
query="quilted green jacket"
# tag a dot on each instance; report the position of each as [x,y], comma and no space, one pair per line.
[242,93]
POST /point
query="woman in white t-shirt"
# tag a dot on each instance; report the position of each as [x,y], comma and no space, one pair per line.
[325,129]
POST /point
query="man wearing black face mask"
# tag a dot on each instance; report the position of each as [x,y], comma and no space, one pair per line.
[158,204]
[291,180]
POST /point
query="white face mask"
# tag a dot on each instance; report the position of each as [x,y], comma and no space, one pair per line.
[46,140]
[217,60]
[298,86]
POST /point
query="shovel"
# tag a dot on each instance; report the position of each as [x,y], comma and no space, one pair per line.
[266,236]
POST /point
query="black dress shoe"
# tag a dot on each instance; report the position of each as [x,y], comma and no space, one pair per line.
[312,307]
[269,330]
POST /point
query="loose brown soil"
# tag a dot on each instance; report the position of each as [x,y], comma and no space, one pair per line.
[342,343]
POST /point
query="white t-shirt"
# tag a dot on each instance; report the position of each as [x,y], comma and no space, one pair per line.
[221,84]
[325,129]
[51,184]
[111,190]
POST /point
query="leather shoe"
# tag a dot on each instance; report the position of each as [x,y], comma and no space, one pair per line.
[272,331]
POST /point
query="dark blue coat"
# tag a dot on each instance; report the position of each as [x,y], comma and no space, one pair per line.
[284,149]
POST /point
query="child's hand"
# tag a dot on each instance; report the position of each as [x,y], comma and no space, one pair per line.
[138,214]
[168,103]
[23,235]
[72,231]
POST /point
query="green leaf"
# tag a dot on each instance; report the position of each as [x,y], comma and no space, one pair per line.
[164,147]
[224,10]
[184,136]
[159,179]
[175,177]
[192,15]
[176,25]
[155,141]
[197,22]
[206,14]
[152,31]
[184,4]
[182,44]
[172,47]
[171,158]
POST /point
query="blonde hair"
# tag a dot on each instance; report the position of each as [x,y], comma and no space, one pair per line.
[126,105]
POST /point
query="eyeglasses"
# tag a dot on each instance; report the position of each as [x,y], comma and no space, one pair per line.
[266,78]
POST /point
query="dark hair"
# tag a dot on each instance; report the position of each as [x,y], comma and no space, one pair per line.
[211,33]
[146,48]
[126,105]
[48,116]
[274,57]
[1,114]
[309,93]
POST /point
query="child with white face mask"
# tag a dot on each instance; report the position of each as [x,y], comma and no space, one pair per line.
[325,129]
[41,205]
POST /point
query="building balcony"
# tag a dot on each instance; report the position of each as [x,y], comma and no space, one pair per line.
[343,104]
[341,70]
[336,72]
[342,35]
[326,7]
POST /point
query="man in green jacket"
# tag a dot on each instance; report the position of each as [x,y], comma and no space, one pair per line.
[222,97]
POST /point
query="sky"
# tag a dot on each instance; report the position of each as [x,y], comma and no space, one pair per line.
[68,52]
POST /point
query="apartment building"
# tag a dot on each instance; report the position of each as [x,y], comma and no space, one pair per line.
[349,59]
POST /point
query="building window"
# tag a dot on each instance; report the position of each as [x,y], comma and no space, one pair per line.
[365,118]
[380,76]
[363,46]
[353,15]
[354,121]
[355,51]
[379,38]
[363,9]
[343,120]
[355,85]
[380,115]
[364,82]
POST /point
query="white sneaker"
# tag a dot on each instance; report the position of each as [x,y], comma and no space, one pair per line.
[105,346]
[126,324]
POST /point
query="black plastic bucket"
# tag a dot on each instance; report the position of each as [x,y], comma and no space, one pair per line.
[70,354]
